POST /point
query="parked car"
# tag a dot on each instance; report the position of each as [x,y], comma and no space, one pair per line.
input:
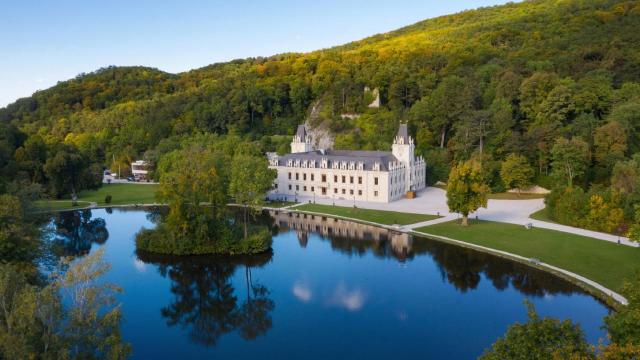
[131,178]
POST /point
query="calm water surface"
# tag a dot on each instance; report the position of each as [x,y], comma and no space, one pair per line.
[329,289]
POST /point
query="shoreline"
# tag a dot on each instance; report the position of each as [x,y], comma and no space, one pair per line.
[601,292]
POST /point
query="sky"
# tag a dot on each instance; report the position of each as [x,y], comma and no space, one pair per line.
[43,42]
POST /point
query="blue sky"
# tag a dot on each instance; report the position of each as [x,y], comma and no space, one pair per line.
[47,41]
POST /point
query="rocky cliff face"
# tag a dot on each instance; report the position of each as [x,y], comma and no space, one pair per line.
[318,128]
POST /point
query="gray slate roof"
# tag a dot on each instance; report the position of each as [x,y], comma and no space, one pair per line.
[301,132]
[368,158]
[403,133]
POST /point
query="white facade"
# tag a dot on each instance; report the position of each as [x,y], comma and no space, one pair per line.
[376,176]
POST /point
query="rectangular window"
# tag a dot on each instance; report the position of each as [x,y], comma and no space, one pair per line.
[360,192]
[344,179]
[297,187]
[335,178]
[304,188]
[297,178]
[289,176]
[324,191]
[335,190]
[304,177]
[344,191]
[359,179]
[289,186]
[375,181]
[324,178]
[350,179]
[375,193]
[312,189]
[351,192]
[311,177]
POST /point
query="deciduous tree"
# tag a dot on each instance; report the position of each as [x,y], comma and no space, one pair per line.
[540,338]
[570,158]
[516,172]
[250,179]
[466,192]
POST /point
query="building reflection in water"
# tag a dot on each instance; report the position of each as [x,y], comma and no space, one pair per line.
[346,236]
[459,266]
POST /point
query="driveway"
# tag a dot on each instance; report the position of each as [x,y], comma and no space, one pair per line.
[433,201]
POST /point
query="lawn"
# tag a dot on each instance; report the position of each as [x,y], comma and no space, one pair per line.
[601,261]
[279,204]
[377,216]
[542,216]
[57,205]
[121,194]
[514,196]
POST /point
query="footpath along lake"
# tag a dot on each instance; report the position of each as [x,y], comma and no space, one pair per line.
[329,289]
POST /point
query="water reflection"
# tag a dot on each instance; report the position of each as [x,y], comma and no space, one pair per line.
[334,282]
[461,267]
[74,233]
[205,302]
[347,237]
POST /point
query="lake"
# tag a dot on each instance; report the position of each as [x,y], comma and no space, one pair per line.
[329,289]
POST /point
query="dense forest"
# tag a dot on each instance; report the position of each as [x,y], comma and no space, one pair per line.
[553,84]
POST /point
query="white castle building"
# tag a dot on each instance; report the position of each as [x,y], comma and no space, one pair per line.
[377,176]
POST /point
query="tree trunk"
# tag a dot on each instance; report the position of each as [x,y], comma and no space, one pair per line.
[465,220]
[442,137]
[245,222]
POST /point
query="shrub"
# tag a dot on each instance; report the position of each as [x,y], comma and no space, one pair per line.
[107,199]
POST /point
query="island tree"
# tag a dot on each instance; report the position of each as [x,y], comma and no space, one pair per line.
[466,191]
[250,179]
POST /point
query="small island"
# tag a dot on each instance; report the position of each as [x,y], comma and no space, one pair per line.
[197,184]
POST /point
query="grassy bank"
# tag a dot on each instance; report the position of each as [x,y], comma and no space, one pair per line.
[377,216]
[601,261]
[514,196]
[279,204]
[542,216]
[121,194]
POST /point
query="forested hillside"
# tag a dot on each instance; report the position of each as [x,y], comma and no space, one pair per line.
[520,79]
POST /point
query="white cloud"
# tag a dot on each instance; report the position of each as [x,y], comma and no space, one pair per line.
[139,265]
[352,300]
[302,291]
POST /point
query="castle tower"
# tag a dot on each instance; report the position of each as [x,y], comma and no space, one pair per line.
[301,141]
[403,149]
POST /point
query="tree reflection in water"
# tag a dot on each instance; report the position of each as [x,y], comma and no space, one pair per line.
[461,267]
[75,232]
[206,303]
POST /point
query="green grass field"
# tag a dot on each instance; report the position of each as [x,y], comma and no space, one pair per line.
[601,261]
[279,204]
[121,194]
[514,196]
[377,216]
[57,205]
[542,216]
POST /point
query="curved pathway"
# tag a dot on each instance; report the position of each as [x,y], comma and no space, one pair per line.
[433,201]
